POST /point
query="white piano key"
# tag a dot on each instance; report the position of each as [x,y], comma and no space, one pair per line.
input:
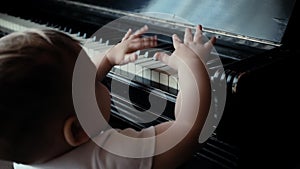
[164,74]
[12,26]
[145,71]
[89,43]
[169,72]
[146,54]
[124,70]
[139,66]
[92,45]
[155,74]
[117,69]
[142,59]
[163,78]
[131,68]
[138,70]
[76,37]
[86,41]
[131,65]
[148,68]
[173,81]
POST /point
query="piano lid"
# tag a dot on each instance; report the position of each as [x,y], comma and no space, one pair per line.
[259,19]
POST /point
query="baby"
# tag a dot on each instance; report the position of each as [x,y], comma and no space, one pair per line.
[39,127]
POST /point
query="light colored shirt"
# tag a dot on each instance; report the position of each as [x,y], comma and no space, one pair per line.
[92,156]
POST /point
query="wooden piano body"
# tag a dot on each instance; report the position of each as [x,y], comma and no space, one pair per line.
[259,117]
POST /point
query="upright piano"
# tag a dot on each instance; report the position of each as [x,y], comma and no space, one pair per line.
[258,128]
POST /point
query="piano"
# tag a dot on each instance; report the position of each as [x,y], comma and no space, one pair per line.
[255,45]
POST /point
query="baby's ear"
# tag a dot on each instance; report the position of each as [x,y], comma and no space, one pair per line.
[73,132]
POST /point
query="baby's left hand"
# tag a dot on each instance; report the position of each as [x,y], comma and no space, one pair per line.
[124,52]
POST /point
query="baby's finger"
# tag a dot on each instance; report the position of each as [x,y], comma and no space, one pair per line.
[161,56]
[198,34]
[209,44]
[129,58]
[128,33]
[188,35]
[143,43]
[139,32]
[133,57]
[153,41]
[176,41]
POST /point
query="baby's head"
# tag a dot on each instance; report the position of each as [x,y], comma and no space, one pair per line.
[37,119]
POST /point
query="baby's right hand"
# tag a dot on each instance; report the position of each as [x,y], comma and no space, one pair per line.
[124,52]
[191,50]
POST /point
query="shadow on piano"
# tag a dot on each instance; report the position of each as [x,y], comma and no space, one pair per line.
[259,125]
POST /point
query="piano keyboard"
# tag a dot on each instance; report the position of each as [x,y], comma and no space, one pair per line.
[144,70]
[147,72]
